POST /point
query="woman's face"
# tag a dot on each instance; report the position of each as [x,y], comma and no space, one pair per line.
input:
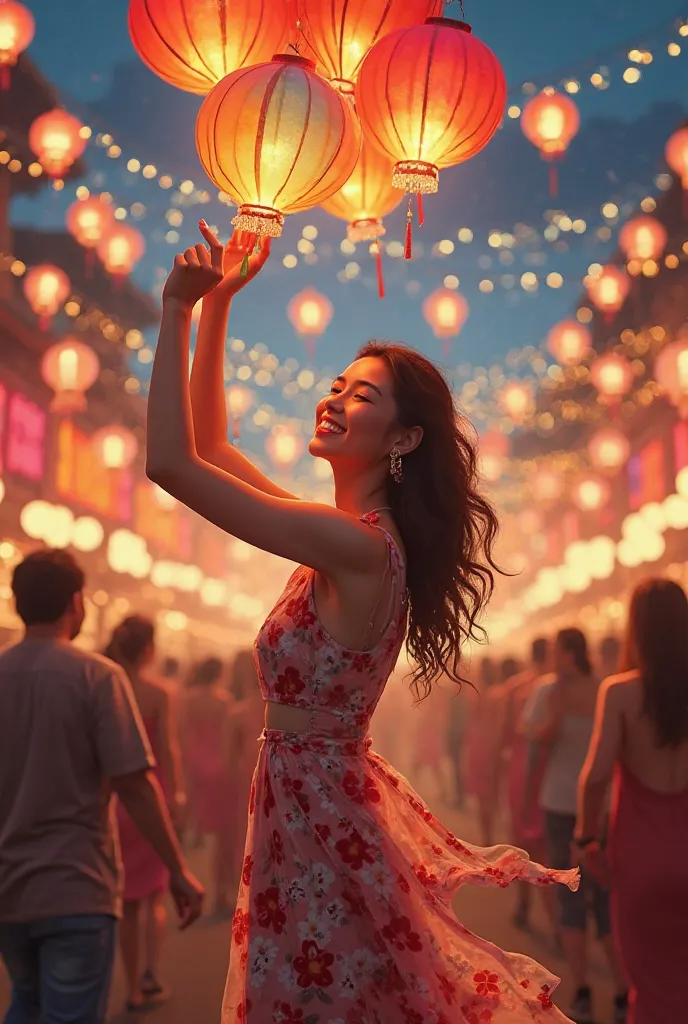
[356,422]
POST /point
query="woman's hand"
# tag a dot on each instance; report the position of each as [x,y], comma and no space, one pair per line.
[195,273]
[238,253]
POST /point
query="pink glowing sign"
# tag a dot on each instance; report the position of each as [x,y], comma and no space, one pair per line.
[25,448]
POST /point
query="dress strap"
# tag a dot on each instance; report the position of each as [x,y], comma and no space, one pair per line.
[396,594]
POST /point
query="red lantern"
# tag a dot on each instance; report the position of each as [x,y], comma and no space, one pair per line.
[46,287]
[609,450]
[609,290]
[116,447]
[569,342]
[446,312]
[193,46]
[239,401]
[120,249]
[429,96]
[550,121]
[17,29]
[89,220]
[591,493]
[278,139]
[70,368]
[671,371]
[516,400]
[55,137]
[643,238]
[284,446]
[342,32]
[547,486]
[310,313]
[676,153]
[612,375]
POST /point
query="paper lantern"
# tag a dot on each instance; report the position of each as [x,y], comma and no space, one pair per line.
[89,220]
[569,342]
[609,290]
[341,32]
[284,446]
[550,121]
[120,249]
[591,493]
[676,153]
[643,238]
[70,368]
[547,486]
[116,447]
[671,371]
[612,375]
[278,139]
[17,28]
[609,450]
[366,197]
[516,400]
[55,137]
[446,312]
[46,287]
[239,401]
[310,313]
[429,96]
[195,45]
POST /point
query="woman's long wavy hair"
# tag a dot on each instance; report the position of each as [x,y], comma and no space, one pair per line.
[130,641]
[657,648]
[447,527]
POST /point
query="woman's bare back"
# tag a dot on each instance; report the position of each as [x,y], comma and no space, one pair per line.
[664,769]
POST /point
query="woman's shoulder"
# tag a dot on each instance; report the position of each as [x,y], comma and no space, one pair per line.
[622,686]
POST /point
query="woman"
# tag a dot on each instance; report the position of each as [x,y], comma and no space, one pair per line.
[641,738]
[482,750]
[145,878]
[344,905]
[204,738]
[559,720]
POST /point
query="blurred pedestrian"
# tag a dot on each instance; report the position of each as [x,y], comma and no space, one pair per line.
[457,716]
[132,646]
[559,719]
[641,739]
[70,734]
[610,656]
[482,756]
[429,739]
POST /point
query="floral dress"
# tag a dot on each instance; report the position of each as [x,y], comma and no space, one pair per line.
[344,913]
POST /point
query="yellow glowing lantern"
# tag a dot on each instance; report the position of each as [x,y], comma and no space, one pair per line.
[547,486]
[55,137]
[89,221]
[239,401]
[46,287]
[446,311]
[17,28]
[116,447]
[569,342]
[70,368]
[608,290]
[643,238]
[278,139]
[671,371]
[284,446]
[517,401]
[120,249]
[591,493]
[609,450]
[612,375]
[550,121]
[677,157]
[310,313]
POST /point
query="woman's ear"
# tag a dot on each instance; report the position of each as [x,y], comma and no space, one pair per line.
[409,440]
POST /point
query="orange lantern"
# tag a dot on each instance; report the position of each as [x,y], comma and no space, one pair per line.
[516,400]
[643,238]
[310,313]
[609,450]
[193,46]
[676,153]
[55,137]
[284,446]
[591,493]
[609,290]
[547,486]
[671,371]
[429,96]
[89,220]
[446,312]
[278,139]
[342,32]
[120,249]
[46,287]
[116,447]
[494,450]
[70,368]
[550,121]
[239,401]
[612,375]
[569,342]
[17,28]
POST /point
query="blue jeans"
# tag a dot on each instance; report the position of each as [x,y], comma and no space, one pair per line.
[60,968]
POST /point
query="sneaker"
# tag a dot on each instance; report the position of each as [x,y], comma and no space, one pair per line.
[580,1010]
[620,1008]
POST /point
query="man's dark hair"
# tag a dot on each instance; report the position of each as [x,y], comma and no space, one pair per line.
[44,584]
[170,668]
[539,650]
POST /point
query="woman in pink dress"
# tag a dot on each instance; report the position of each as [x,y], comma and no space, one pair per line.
[145,878]
[640,742]
[344,911]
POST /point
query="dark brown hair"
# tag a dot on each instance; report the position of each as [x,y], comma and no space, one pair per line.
[573,641]
[130,640]
[657,647]
[44,585]
[447,527]
[205,673]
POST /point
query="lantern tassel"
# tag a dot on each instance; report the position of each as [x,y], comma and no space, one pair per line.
[421,215]
[408,241]
[309,345]
[4,78]
[380,274]
[244,265]
[553,180]
[446,348]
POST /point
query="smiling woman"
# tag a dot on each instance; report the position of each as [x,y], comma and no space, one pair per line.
[341,854]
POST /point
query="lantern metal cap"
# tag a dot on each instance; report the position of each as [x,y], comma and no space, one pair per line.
[295,58]
[449,23]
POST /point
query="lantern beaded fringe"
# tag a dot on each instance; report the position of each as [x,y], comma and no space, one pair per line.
[416,176]
[259,220]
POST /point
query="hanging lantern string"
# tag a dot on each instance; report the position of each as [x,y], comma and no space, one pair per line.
[380,274]
[408,241]
[421,215]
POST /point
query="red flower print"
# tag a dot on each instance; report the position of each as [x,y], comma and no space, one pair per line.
[268,910]
[246,870]
[268,797]
[361,662]
[240,927]
[398,933]
[427,878]
[544,997]
[447,989]
[525,983]
[499,875]
[354,851]
[313,967]
[454,843]
[486,983]
[252,799]
[298,610]
[403,884]
[323,833]
[355,903]
[276,847]
[242,1012]
[275,634]
[285,1014]
[420,808]
[294,788]
[412,1016]
[338,697]
[289,684]
[474,1014]
[361,791]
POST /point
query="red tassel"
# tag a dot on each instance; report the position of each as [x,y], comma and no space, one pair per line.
[553,180]
[380,275]
[421,217]
[309,345]
[408,241]
[4,78]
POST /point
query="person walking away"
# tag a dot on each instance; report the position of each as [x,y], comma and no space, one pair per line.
[70,735]
[482,753]
[132,646]
[559,719]
[610,657]
[429,741]
[641,740]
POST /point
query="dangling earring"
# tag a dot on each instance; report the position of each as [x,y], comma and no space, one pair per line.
[395,468]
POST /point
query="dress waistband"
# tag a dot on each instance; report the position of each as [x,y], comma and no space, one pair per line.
[340,746]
